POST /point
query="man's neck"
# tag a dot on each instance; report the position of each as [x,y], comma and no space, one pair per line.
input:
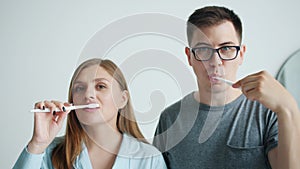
[214,98]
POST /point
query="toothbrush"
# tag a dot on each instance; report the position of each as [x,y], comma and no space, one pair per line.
[224,80]
[67,108]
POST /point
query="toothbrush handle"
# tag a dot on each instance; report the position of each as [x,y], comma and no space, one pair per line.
[46,110]
[58,110]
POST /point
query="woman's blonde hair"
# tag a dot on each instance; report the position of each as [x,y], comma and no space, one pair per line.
[66,152]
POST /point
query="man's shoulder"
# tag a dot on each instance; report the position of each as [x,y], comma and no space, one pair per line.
[175,108]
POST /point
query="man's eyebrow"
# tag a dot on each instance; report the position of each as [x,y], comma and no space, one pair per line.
[207,44]
[202,43]
[227,43]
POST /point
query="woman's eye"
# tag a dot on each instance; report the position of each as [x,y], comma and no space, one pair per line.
[100,86]
[79,89]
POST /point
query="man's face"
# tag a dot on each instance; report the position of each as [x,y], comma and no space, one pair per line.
[216,36]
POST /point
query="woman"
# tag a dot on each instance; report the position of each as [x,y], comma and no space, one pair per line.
[102,137]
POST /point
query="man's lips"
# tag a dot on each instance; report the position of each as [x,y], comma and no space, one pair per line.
[213,78]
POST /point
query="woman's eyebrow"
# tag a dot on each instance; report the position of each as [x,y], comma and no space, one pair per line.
[95,80]
[101,79]
[78,82]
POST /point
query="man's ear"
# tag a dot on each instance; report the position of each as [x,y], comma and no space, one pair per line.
[188,54]
[242,54]
[124,99]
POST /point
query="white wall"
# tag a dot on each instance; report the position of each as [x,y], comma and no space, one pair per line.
[41,42]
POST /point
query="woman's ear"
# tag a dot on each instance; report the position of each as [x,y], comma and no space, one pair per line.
[124,99]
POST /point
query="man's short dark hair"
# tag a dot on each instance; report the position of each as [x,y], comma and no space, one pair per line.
[211,16]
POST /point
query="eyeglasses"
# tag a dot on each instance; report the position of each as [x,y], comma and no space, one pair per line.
[224,52]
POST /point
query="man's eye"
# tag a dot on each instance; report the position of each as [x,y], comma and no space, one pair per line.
[203,49]
[226,48]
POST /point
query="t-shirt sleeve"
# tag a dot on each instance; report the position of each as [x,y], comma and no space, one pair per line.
[166,120]
[160,136]
[158,140]
[272,132]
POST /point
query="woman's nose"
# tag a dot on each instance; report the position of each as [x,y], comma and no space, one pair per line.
[90,93]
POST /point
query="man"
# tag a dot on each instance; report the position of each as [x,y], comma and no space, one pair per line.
[254,123]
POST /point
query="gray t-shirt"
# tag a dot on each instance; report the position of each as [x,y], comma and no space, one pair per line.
[237,135]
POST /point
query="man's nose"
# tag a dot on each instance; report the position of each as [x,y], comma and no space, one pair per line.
[215,60]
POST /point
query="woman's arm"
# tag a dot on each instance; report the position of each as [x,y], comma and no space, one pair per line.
[46,127]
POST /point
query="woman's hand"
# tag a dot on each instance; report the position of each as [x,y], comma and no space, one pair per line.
[267,90]
[46,125]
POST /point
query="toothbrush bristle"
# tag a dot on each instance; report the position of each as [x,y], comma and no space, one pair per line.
[93,105]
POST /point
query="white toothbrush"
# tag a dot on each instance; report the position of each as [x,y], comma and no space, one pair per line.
[224,80]
[67,108]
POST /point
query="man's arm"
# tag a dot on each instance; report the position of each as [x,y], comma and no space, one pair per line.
[286,155]
[264,88]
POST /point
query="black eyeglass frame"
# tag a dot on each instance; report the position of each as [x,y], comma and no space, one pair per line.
[238,48]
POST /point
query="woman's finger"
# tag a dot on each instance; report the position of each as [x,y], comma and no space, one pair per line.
[39,105]
[59,105]
[50,106]
[60,117]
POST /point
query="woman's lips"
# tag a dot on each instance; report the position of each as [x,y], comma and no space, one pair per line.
[91,109]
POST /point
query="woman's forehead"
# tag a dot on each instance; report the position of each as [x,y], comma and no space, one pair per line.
[94,72]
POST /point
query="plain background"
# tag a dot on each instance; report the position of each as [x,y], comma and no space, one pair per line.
[41,42]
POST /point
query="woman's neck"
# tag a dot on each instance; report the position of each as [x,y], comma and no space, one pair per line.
[103,145]
[104,136]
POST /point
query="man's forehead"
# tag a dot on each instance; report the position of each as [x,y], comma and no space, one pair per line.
[215,35]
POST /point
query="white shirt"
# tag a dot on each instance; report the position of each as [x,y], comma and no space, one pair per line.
[133,154]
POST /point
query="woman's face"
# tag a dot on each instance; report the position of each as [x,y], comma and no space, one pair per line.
[95,85]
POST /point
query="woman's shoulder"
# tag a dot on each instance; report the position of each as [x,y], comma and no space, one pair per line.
[54,143]
[132,147]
